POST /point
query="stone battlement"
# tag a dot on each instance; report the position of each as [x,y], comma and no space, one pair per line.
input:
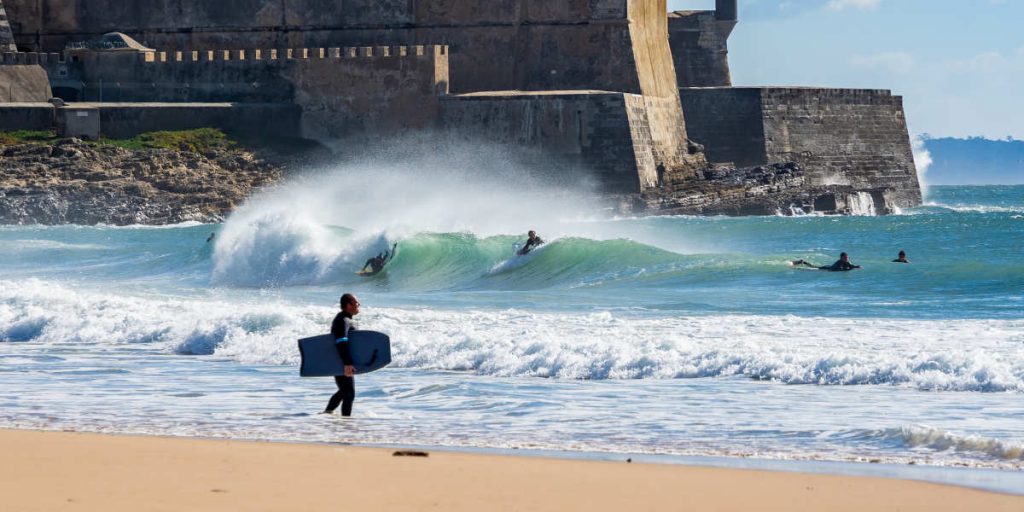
[276,56]
[30,58]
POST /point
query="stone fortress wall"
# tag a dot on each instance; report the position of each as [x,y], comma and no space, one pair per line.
[495,44]
[343,91]
[349,95]
[615,87]
[700,45]
[853,139]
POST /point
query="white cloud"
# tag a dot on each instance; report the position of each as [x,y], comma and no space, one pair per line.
[839,5]
[985,62]
[893,62]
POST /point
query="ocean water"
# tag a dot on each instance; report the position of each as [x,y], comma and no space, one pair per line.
[662,335]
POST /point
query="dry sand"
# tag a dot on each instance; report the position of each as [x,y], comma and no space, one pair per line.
[55,471]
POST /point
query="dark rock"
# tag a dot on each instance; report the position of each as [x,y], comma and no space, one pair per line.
[410,453]
[75,182]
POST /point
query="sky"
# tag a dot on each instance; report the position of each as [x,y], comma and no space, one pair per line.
[959,64]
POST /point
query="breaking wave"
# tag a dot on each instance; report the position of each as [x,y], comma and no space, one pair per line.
[926,355]
[279,253]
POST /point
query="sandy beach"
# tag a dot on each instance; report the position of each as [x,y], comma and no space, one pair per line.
[72,471]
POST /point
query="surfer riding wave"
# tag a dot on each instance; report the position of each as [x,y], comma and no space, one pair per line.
[532,242]
[377,263]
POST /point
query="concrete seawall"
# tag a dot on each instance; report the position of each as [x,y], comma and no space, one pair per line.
[124,120]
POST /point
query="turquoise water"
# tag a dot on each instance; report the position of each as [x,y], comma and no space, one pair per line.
[675,335]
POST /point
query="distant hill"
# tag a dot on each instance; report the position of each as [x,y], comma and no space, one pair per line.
[975,161]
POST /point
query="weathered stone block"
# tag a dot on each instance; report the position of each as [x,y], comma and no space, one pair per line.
[82,122]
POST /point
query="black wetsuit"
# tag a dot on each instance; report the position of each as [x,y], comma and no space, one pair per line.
[839,266]
[346,385]
[531,244]
[377,263]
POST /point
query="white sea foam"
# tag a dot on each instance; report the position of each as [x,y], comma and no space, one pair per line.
[48,245]
[923,436]
[976,208]
[949,355]
[862,204]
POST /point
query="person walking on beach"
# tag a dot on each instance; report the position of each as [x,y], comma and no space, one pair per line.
[340,328]
[902,258]
[843,265]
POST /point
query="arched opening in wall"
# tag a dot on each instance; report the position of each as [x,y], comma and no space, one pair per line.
[67,93]
[23,48]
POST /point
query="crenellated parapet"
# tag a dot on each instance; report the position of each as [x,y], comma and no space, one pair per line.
[249,75]
[30,59]
[286,56]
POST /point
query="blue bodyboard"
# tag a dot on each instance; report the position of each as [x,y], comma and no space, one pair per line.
[370,351]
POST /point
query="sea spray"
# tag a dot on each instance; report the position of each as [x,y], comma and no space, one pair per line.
[923,161]
[281,236]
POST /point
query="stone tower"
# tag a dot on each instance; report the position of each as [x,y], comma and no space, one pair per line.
[700,44]
[6,37]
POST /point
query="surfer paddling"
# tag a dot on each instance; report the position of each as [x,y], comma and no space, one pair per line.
[342,325]
[532,242]
[843,265]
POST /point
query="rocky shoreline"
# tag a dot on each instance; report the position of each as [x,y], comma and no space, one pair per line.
[75,182]
[71,181]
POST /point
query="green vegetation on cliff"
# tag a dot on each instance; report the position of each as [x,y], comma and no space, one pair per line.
[199,140]
[27,137]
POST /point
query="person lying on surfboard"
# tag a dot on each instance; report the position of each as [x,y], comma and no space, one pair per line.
[843,265]
[377,263]
[532,242]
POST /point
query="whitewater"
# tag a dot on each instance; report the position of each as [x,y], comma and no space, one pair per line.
[650,335]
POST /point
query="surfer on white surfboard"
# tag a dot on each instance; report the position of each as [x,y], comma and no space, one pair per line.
[532,242]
